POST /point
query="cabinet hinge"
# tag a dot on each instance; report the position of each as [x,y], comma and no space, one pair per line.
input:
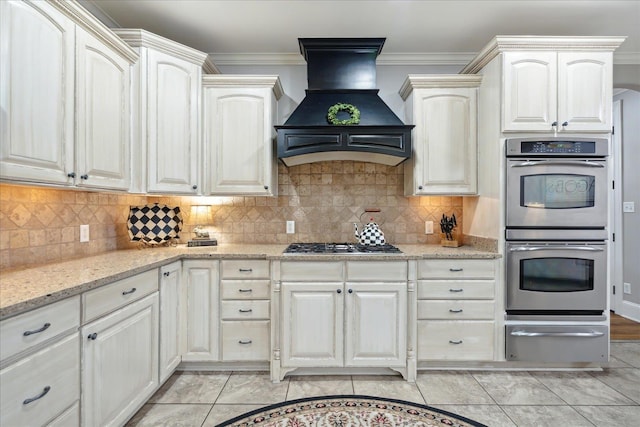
[613,130]
[614,289]
[613,237]
[613,185]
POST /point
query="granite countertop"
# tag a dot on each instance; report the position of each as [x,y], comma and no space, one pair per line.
[26,289]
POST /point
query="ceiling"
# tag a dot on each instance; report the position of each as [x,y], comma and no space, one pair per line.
[418,31]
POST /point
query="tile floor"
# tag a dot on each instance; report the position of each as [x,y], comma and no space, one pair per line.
[497,398]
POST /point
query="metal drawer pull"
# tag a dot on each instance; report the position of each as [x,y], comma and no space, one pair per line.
[129,292]
[456,290]
[37,331]
[246,270]
[40,396]
[557,334]
[455,311]
[455,342]
[456,269]
[245,290]
[245,311]
[244,342]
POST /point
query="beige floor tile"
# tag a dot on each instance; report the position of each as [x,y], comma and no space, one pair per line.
[580,388]
[545,416]
[220,413]
[611,416]
[390,387]
[253,388]
[625,381]
[491,415]
[516,388]
[451,387]
[191,387]
[170,415]
[628,352]
[319,385]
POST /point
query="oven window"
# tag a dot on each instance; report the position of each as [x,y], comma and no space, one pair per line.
[556,274]
[557,191]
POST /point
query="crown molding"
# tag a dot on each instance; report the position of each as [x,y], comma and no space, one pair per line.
[428,81]
[209,67]
[137,37]
[244,80]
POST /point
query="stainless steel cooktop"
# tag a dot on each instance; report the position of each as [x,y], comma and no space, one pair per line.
[340,248]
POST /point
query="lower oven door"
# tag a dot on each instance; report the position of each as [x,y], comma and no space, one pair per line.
[552,277]
[557,343]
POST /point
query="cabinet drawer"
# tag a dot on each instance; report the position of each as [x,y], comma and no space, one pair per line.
[56,367]
[69,418]
[380,271]
[244,310]
[245,340]
[244,289]
[455,310]
[455,340]
[456,269]
[310,271]
[39,325]
[103,300]
[245,269]
[456,289]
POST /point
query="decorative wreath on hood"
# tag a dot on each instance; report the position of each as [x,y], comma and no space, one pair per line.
[351,109]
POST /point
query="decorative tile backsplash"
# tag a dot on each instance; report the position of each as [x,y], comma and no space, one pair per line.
[324,199]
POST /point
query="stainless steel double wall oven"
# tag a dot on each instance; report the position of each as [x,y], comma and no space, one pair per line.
[556,249]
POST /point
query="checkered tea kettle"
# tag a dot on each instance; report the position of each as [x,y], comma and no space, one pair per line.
[371,233]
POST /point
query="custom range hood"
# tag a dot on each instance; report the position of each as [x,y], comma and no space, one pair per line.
[342,71]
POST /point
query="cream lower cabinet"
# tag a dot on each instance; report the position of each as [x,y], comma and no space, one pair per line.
[172,318]
[456,310]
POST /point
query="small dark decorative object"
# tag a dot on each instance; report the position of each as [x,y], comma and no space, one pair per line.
[154,224]
[332,114]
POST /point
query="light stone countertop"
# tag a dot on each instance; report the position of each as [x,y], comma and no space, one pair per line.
[27,289]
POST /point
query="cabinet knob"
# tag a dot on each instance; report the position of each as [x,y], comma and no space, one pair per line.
[71,174]
[166,274]
[266,187]
[339,291]
[195,187]
[565,124]
[93,336]
[85,176]
[419,187]
[554,124]
[350,291]
[37,331]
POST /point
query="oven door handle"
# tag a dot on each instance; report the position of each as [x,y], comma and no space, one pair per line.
[517,333]
[558,163]
[555,248]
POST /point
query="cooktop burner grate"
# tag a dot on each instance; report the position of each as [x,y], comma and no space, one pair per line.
[340,248]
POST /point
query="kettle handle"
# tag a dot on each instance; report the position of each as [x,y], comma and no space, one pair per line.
[373,211]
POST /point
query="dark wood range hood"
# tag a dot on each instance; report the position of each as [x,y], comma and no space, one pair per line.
[342,71]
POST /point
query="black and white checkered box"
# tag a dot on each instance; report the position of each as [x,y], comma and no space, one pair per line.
[154,224]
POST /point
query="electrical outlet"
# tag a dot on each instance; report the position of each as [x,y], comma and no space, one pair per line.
[84,233]
[291,227]
[628,207]
[626,288]
[428,227]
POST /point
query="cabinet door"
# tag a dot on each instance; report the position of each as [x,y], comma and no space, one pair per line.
[530,91]
[585,85]
[445,145]
[312,324]
[376,324]
[120,363]
[173,135]
[238,130]
[171,318]
[202,332]
[103,119]
[36,93]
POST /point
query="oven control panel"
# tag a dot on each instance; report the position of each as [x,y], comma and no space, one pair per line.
[551,147]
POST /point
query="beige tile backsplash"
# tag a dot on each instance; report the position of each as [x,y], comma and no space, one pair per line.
[324,199]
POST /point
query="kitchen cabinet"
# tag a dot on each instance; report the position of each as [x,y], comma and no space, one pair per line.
[119,349]
[78,134]
[443,109]
[239,114]
[456,310]
[167,83]
[343,314]
[201,279]
[172,318]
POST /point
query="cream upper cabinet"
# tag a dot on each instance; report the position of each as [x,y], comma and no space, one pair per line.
[239,115]
[444,111]
[36,92]
[167,82]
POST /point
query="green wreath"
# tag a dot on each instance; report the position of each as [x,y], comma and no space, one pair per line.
[351,109]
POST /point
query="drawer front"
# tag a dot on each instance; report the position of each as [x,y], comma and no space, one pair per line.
[394,271]
[56,369]
[245,289]
[38,325]
[455,340]
[69,418]
[245,269]
[245,340]
[456,269]
[101,301]
[456,310]
[310,271]
[244,310]
[456,289]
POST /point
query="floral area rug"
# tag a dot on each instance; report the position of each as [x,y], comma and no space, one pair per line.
[348,411]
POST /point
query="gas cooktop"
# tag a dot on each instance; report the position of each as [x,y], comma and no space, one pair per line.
[340,248]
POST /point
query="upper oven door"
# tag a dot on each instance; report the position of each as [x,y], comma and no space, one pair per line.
[556,193]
